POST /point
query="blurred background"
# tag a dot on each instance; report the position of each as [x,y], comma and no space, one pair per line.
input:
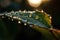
[51,7]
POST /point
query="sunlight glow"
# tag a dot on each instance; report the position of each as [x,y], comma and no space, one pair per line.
[34,3]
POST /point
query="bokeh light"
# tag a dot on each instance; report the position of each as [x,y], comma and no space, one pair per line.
[34,3]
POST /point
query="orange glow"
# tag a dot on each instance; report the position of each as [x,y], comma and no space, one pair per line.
[45,0]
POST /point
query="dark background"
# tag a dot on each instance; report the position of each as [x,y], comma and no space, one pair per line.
[26,32]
